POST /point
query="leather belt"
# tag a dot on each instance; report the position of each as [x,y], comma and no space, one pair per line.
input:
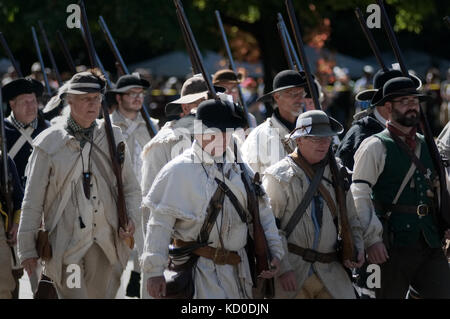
[311,256]
[219,256]
[421,210]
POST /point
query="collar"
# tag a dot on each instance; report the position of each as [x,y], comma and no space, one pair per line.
[17,123]
[119,118]
[289,126]
[78,132]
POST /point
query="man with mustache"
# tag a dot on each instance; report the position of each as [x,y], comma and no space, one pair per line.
[267,143]
[396,192]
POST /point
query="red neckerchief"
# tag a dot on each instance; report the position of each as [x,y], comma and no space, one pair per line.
[410,138]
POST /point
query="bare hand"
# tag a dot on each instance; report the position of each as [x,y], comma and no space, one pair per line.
[352,264]
[128,231]
[288,281]
[12,235]
[274,268]
[29,265]
[156,287]
[377,253]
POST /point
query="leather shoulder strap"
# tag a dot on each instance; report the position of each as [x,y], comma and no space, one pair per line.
[301,209]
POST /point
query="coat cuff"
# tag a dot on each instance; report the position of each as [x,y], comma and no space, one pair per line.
[150,269]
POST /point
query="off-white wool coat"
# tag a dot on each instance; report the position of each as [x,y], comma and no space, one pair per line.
[55,155]
[286,185]
[178,201]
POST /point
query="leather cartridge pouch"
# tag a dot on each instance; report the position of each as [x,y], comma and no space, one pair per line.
[43,247]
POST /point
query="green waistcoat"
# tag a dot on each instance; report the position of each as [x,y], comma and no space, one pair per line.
[406,228]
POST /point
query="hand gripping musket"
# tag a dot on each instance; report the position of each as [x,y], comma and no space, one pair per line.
[444,209]
[348,250]
[41,62]
[115,160]
[112,44]
[262,253]
[232,64]
[6,188]
[50,53]
[66,52]
[10,55]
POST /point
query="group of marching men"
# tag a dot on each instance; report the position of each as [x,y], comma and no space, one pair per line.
[63,183]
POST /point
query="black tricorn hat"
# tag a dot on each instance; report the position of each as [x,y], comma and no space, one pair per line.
[130,81]
[397,87]
[219,114]
[285,80]
[21,86]
[379,79]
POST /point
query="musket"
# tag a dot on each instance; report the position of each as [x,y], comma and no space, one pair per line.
[348,250]
[10,55]
[50,53]
[444,208]
[66,52]
[293,53]
[370,39]
[112,45]
[41,61]
[262,253]
[114,154]
[6,185]
[232,64]
[285,45]
[190,50]
[195,50]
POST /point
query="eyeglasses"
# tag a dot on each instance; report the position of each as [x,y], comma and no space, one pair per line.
[135,95]
[406,101]
[232,90]
[295,94]
[319,139]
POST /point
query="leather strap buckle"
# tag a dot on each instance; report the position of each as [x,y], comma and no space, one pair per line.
[422,210]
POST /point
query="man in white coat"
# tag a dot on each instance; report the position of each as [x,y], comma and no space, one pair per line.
[309,219]
[71,192]
[267,143]
[129,95]
[179,202]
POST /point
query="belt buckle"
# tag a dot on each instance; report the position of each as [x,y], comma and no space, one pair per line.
[309,255]
[220,256]
[422,210]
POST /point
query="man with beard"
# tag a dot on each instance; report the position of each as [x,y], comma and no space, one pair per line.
[268,143]
[402,188]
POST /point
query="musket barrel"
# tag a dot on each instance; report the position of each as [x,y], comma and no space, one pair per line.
[392,39]
[294,54]
[302,53]
[66,52]
[41,61]
[191,39]
[370,38]
[194,60]
[10,56]
[284,44]
[50,53]
[112,45]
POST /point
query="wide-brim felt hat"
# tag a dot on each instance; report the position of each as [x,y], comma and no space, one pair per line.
[128,82]
[219,114]
[226,76]
[398,87]
[285,80]
[193,90]
[379,79]
[21,86]
[316,123]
